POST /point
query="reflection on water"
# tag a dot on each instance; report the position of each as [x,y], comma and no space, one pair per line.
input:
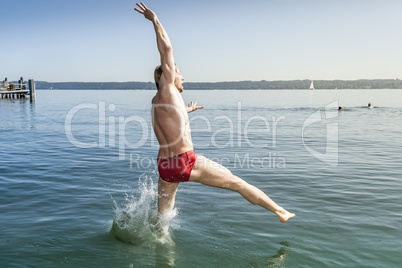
[165,255]
[278,259]
[142,256]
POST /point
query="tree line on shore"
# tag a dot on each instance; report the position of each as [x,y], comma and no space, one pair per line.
[241,85]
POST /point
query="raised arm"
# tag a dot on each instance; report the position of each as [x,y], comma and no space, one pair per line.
[163,42]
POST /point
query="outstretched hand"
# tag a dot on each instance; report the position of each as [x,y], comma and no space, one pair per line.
[144,10]
[192,106]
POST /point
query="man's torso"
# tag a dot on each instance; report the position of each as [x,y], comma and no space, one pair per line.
[170,122]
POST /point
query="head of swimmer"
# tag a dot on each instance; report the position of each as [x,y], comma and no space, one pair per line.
[178,81]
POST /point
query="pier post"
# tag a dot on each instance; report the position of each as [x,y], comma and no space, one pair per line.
[31,90]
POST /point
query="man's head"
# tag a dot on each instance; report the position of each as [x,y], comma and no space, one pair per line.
[178,81]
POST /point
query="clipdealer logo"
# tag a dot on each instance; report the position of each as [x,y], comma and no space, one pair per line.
[112,132]
[330,156]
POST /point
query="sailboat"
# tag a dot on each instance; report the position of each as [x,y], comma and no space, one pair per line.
[312,85]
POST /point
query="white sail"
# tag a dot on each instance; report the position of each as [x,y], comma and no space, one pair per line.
[312,85]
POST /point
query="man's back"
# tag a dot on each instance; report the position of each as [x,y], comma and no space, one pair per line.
[170,121]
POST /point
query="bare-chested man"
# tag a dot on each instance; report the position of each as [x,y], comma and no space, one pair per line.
[177,161]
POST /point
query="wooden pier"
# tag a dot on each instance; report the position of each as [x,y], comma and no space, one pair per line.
[17,90]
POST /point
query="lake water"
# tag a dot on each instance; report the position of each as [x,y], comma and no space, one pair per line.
[78,181]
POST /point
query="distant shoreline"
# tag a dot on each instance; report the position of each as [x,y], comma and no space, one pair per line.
[239,85]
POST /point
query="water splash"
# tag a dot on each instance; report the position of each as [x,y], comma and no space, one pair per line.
[137,221]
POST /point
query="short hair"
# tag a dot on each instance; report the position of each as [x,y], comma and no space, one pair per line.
[157,75]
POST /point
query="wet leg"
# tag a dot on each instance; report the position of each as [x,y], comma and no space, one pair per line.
[166,196]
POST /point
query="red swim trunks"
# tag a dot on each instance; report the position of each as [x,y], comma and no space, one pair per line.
[177,168]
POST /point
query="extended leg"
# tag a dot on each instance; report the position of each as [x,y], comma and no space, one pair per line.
[213,174]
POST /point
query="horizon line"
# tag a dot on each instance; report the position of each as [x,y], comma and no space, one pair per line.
[223,81]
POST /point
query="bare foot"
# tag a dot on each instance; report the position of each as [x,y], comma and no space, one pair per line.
[285,215]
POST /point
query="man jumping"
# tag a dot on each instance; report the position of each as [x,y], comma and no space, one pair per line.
[177,161]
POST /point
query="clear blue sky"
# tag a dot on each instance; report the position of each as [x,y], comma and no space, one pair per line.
[222,40]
